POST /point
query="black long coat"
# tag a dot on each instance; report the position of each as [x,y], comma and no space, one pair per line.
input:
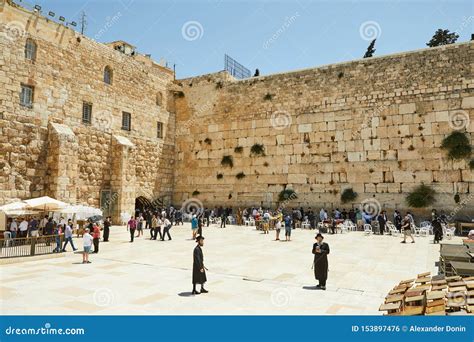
[198,264]
[320,263]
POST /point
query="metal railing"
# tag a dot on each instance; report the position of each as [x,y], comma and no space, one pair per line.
[21,247]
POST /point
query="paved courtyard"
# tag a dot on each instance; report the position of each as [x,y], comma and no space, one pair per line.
[249,273]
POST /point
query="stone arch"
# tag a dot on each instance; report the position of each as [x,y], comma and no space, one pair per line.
[141,204]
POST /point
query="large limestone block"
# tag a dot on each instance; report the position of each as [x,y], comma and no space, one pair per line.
[467,102]
[407,108]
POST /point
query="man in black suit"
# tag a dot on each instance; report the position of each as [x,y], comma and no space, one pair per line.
[320,263]
[199,270]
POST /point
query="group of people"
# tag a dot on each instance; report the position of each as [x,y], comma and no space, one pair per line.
[156,222]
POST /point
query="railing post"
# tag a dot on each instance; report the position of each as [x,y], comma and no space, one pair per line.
[33,245]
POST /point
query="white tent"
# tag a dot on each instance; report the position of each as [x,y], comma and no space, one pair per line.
[14,206]
[45,203]
[82,212]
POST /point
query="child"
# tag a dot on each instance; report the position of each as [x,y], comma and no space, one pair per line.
[87,243]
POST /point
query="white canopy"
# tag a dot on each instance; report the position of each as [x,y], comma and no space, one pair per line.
[82,211]
[45,203]
[19,205]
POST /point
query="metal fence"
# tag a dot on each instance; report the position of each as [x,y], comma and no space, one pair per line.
[235,68]
[21,247]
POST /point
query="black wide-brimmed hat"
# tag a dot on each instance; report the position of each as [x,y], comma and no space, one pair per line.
[319,235]
[199,238]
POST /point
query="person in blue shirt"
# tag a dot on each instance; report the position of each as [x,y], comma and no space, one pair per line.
[194,226]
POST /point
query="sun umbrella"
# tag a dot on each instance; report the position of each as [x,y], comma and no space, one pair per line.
[19,205]
[82,211]
[45,203]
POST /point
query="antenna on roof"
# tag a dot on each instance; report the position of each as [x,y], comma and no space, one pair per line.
[83,22]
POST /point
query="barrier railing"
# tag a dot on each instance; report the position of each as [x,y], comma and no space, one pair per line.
[21,247]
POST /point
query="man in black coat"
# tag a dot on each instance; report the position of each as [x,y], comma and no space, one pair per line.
[320,263]
[107,224]
[382,218]
[199,270]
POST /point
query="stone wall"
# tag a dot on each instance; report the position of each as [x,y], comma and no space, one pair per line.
[374,125]
[69,70]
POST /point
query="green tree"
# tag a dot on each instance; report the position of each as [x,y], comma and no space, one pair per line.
[443,37]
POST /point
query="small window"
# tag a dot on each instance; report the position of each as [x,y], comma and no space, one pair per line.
[159,99]
[126,121]
[108,74]
[159,131]
[30,49]
[86,112]
[26,95]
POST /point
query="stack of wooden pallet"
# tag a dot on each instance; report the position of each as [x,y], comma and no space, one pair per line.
[427,295]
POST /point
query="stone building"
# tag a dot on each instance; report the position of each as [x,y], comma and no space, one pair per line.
[81,121]
[103,125]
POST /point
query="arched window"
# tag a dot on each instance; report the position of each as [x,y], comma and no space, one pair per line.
[30,49]
[108,75]
[159,99]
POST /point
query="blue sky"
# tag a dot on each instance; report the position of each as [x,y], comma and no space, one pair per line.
[274,36]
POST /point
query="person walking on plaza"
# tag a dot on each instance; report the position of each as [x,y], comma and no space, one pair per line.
[288,224]
[107,225]
[166,229]
[57,237]
[382,219]
[96,236]
[437,229]
[397,220]
[278,219]
[68,236]
[87,244]
[194,226]
[320,262]
[159,223]
[139,225]
[223,217]
[199,270]
[153,227]
[406,228]
[132,226]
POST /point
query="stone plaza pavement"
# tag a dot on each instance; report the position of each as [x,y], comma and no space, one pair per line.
[249,273]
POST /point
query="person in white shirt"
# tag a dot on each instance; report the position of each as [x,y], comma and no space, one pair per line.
[23,227]
[166,229]
[87,243]
[13,228]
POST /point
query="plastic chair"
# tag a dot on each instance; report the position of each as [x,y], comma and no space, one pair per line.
[368,229]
